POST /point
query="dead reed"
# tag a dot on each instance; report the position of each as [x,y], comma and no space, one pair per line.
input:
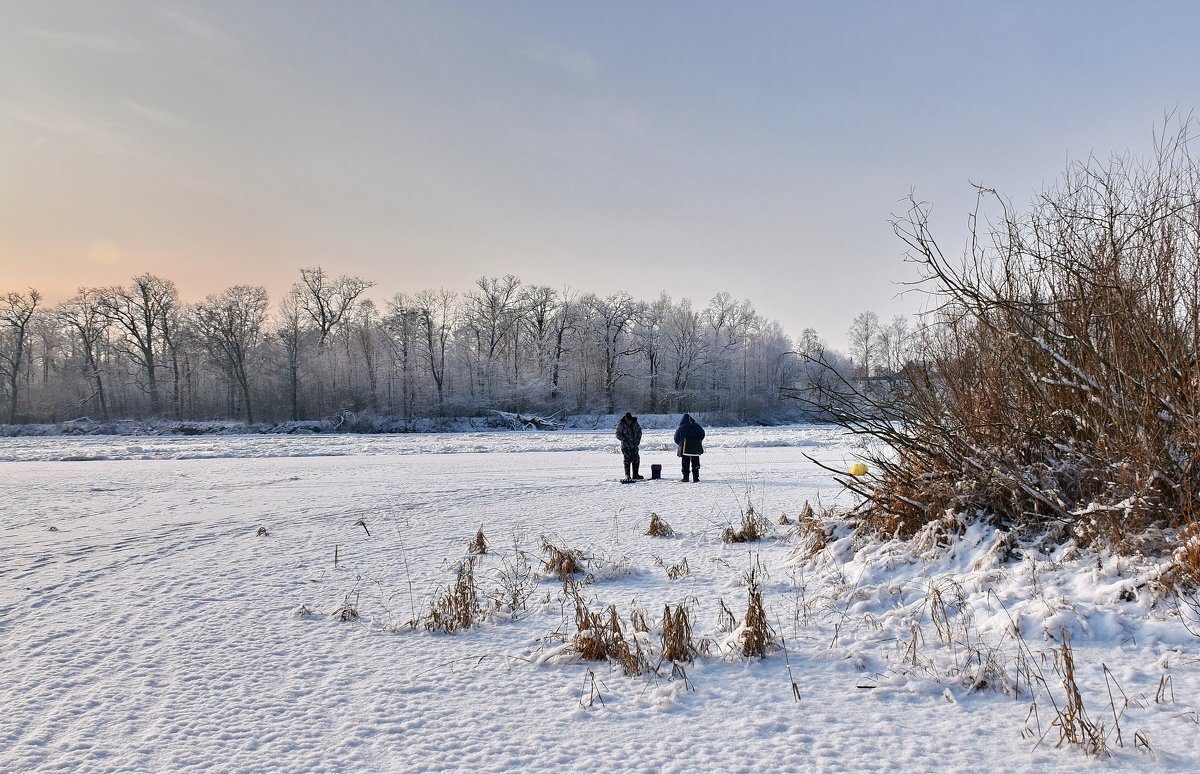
[458,607]
[758,638]
[563,563]
[600,636]
[726,622]
[347,611]
[1074,726]
[479,545]
[754,527]
[677,571]
[808,534]
[659,527]
[676,638]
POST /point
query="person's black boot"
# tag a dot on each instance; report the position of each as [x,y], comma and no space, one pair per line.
[636,477]
[695,476]
[626,470]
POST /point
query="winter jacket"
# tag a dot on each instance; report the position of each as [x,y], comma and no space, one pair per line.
[630,435]
[689,435]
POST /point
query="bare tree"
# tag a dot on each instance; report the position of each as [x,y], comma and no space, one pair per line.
[539,304]
[686,340]
[864,340]
[436,313]
[563,324]
[649,334]
[16,310]
[365,323]
[81,314]
[613,316]
[325,299]
[289,330]
[491,313]
[231,324]
[139,313]
[402,325]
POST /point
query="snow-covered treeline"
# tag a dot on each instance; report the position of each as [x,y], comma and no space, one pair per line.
[139,351]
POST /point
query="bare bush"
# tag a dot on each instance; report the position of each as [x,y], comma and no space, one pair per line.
[1058,385]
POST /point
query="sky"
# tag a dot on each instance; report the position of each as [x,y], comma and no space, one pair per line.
[758,149]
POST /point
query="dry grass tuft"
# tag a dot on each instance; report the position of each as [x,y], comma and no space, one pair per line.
[564,563]
[677,642]
[262,532]
[659,527]
[754,528]
[347,611]
[458,607]
[808,535]
[726,622]
[783,519]
[601,637]
[758,638]
[517,582]
[479,544]
[637,618]
[1074,726]
[677,571]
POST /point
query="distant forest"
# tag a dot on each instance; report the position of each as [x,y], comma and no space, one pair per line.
[137,351]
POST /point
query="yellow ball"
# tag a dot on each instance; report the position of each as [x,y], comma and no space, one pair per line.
[858,469]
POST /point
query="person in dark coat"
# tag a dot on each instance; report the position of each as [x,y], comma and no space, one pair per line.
[688,437]
[629,432]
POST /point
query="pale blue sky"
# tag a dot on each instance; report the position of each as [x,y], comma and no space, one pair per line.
[692,147]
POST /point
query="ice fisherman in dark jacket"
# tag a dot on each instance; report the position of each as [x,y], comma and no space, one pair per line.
[629,433]
[689,436]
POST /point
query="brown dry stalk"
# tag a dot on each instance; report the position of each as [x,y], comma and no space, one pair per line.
[458,607]
[808,534]
[479,544]
[677,571]
[758,638]
[601,637]
[562,562]
[677,642]
[1074,726]
[659,527]
[753,528]
[726,622]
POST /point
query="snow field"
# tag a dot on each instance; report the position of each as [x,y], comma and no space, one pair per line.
[145,627]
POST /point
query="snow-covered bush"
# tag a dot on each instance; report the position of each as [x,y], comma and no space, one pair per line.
[1058,389]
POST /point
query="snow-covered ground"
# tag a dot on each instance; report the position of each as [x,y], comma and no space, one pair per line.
[146,626]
